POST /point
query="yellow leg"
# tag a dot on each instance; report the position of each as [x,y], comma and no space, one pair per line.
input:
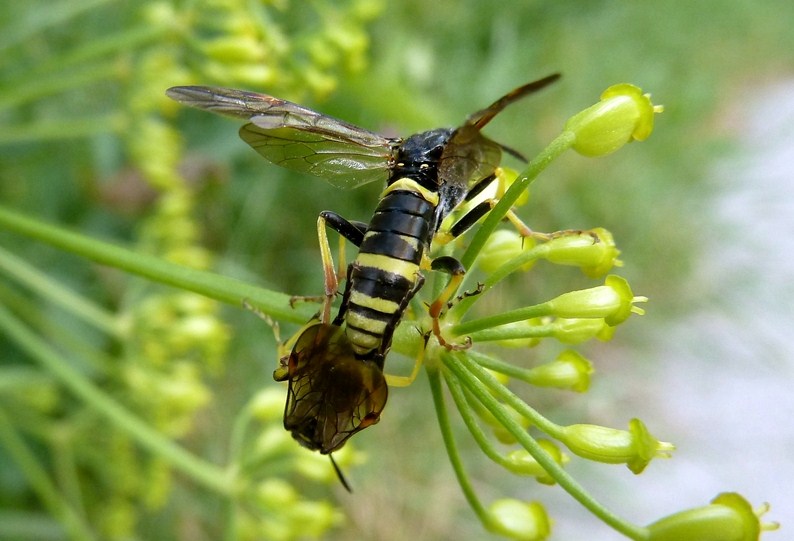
[443,301]
[331,280]
[404,381]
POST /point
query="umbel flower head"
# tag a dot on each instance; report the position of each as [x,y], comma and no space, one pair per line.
[477,381]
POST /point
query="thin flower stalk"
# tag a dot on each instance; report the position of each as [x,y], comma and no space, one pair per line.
[462,368]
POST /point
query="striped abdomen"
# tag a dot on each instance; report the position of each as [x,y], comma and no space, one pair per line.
[385,274]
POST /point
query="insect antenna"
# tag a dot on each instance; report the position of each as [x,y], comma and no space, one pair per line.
[481,118]
[340,475]
[513,152]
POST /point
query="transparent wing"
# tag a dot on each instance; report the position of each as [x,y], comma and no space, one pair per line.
[468,157]
[298,138]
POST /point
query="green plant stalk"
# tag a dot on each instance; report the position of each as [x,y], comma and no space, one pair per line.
[465,304]
[535,418]
[470,420]
[65,466]
[15,377]
[15,446]
[199,470]
[214,286]
[101,46]
[510,333]
[56,14]
[78,306]
[241,422]
[53,83]
[470,374]
[55,130]
[560,144]
[497,365]
[511,316]
[452,449]
[78,345]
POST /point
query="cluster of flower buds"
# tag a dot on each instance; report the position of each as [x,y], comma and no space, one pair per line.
[477,381]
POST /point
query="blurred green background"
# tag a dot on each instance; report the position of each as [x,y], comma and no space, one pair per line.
[88,141]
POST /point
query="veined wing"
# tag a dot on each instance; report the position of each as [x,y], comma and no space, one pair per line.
[332,394]
[298,138]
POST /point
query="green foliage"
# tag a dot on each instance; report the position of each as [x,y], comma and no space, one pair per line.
[88,144]
[119,369]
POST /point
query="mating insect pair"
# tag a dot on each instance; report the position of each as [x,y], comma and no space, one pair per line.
[335,368]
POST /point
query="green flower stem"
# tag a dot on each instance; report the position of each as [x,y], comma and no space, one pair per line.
[535,419]
[199,470]
[469,418]
[559,145]
[205,283]
[58,82]
[37,477]
[16,378]
[78,344]
[465,304]
[56,14]
[472,376]
[65,467]
[511,333]
[519,314]
[101,46]
[241,423]
[508,369]
[62,129]
[452,449]
[38,281]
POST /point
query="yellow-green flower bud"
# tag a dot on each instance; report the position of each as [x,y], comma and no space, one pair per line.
[526,335]
[502,246]
[613,301]
[116,518]
[276,494]
[578,330]
[158,483]
[522,463]
[267,405]
[159,13]
[634,447]
[729,517]
[312,519]
[624,114]
[235,48]
[592,251]
[250,74]
[569,370]
[271,441]
[519,520]
[504,435]
[505,177]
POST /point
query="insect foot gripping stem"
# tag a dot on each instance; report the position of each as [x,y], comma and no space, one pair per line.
[455,269]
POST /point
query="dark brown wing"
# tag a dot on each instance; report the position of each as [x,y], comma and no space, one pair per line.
[298,138]
[470,156]
[332,395]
